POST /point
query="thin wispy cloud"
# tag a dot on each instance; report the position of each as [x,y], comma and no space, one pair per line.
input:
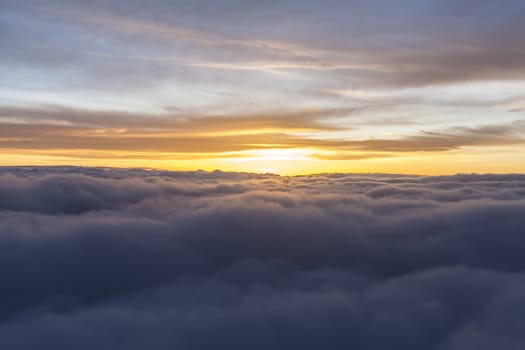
[72,130]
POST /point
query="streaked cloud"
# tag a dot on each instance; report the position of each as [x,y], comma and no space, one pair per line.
[226,136]
[345,81]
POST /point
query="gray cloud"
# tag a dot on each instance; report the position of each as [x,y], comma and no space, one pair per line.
[52,128]
[110,258]
[426,43]
[292,119]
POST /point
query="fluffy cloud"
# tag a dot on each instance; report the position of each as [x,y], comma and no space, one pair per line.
[129,259]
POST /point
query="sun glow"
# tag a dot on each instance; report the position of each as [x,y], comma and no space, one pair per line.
[272,160]
[283,161]
[273,154]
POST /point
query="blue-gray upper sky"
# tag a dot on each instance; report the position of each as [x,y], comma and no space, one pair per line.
[356,84]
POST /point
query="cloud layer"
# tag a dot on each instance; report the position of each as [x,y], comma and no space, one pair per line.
[129,259]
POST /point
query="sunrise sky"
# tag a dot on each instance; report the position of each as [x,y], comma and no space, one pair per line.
[371,183]
[289,87]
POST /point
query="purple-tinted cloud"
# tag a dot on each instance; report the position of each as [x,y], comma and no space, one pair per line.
[111,259]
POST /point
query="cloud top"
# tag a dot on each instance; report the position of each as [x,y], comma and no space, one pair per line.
[123,259]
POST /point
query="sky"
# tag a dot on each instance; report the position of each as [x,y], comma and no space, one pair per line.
[288,87]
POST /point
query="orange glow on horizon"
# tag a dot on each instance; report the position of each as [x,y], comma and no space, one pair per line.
[298,161]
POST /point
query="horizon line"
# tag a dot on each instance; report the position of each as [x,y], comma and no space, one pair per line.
[253,172]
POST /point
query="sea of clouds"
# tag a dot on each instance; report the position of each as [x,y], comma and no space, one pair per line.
[94,258]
